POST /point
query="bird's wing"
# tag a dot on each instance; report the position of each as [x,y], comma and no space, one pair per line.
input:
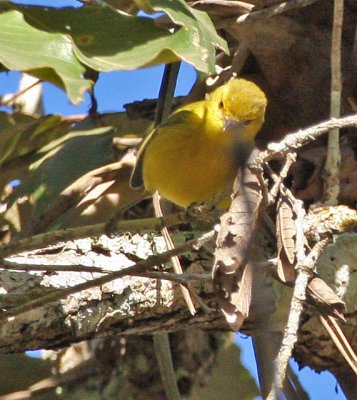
[181,119]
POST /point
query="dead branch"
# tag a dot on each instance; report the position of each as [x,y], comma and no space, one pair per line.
[295,140]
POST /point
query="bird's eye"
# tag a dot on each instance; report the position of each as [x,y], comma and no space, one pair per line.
[221,105]
[247,122]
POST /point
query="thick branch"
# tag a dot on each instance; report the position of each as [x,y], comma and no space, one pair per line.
[63,235]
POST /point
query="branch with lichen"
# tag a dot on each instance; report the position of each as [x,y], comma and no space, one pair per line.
[63,235]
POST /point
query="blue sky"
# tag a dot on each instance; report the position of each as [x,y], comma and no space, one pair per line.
[114,89]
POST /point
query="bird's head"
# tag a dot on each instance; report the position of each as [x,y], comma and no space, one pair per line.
[242,106]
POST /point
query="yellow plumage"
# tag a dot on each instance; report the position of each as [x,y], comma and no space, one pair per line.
[195,154]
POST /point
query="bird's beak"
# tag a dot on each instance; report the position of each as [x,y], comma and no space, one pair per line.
[233,124]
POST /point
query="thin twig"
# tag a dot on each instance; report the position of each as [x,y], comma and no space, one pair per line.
[175,261]
[9,101]
[305,267]
[333,161]
[296,308]
[291,157]
[297,139]
[340,340]
[239,58]
[76,374]
[167,91]
[178,278]
[183,280]
[16,266]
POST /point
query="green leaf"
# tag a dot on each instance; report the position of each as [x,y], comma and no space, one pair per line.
[41,53]
[198,24]
[52,43]
[106,40]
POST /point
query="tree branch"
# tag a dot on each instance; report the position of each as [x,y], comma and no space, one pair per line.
[64,235]
[141,266]
[297,139]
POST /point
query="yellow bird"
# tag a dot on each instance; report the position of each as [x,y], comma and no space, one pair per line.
[195,154]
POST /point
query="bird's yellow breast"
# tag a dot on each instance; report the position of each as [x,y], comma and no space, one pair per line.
[190,163]
[195,154]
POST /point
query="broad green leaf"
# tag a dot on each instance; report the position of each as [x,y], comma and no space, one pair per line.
[106,40]
[198,23]
[47,55]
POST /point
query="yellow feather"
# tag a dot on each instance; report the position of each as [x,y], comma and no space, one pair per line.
[196,153]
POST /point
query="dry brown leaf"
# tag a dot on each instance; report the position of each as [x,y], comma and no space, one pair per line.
[232,281]
[326,299]
[285,232]
[238,286]
[93,197]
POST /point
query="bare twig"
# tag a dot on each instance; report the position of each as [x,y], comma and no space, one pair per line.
[183,280]
[305,267]
[175,261]
[297,139]
[77,374]
[167,91]
[297,304]
[239,58]
[333,161]
[291,157]
[16,266]
[340,340]
[10,101]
